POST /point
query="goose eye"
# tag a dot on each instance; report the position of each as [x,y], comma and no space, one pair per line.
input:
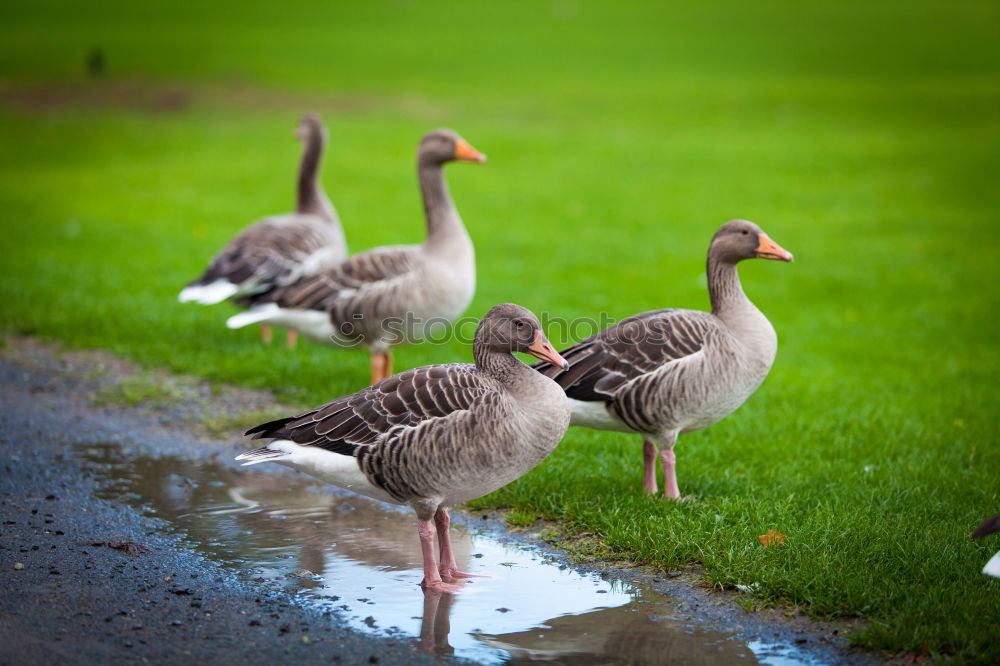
[519,323]
[744,232]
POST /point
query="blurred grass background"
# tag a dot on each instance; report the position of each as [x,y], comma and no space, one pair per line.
[863,137]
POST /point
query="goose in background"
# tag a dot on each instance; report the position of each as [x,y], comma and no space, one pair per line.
[987,527]
[434,436]
[667,372]
[388,295]
[281,248]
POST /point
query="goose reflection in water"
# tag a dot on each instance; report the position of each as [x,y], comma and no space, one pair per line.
[360,560]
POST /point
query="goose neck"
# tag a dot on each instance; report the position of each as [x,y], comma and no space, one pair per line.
[444,225]
[724,288]
[502,366]
[310,197]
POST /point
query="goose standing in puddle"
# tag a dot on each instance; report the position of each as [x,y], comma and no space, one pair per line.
[667,372]
[280,248]
[388,295]
[437,435]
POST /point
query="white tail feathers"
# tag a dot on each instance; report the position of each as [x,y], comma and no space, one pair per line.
[256,315]
[208,294]
[262,455]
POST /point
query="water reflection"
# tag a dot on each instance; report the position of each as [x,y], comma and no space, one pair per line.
[361,560]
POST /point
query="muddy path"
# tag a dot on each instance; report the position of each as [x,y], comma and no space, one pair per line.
[128,534]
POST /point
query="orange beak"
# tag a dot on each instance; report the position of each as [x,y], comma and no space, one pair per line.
[466,153]
[768,249]
[542,348]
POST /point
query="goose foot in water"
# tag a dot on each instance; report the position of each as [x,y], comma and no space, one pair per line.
[432,576]
[448,568]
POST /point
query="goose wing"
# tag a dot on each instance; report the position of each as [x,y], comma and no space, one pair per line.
[269,251]
[436,396]
[637,345]
[366,275]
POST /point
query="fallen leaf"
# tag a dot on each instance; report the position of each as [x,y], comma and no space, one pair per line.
[771,538]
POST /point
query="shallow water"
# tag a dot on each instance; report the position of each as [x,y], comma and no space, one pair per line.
[360,560]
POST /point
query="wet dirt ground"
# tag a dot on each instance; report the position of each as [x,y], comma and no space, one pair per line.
[259,564]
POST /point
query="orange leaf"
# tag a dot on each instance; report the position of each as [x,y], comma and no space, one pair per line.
[771,538]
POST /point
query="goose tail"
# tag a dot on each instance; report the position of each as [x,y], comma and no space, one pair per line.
[258,314]
[208,294]
[262,454]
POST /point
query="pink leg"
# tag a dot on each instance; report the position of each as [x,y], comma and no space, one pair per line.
[291,337]
[649,466]
[669,462]
[449,567]
[265,334]
[432,579]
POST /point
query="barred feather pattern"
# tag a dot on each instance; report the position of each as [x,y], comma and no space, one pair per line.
[450,432]
[275,251]
[664,370]
[387,295]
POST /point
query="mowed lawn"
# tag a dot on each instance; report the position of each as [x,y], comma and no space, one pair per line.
[863,138]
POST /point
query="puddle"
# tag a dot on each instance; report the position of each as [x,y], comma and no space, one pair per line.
[360,560]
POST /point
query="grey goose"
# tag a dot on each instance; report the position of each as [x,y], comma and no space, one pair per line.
[436,435]
[388,295]
[280,248]
[673,371]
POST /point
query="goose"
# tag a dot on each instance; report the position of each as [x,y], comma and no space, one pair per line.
[387,295]
[280,248]
[673,371]
[987,527]
[434,436]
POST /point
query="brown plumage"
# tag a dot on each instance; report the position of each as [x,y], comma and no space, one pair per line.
[434,436]
[667,372]
[389,295]
[278,249]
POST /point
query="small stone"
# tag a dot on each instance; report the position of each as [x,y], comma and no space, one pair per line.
[18,566]
[254,623]
[503,610]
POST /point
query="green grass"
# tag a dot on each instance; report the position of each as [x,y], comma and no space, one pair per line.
[864,137]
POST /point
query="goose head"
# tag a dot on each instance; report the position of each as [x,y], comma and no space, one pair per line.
[509,328]
[310,128]
[444,145]
[741,239]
